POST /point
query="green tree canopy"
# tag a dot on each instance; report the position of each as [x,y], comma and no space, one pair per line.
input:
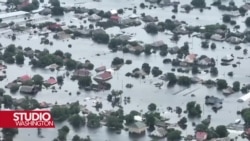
[152,107]
[114,122]
[236,86]
[38,79]
[76,138]
[74,108]
[198,3]
[63,132]
[59,113]
[84,81]
[221,130]
[29,104]
[193,109]
[77,121]
[245,113]
[174,135]
[201,128]
[7,101]
[93,120]
[2,91]
[221,84]
[247,21]
[10,132]
[19,58]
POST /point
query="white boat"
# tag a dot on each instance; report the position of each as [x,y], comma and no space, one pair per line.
[237,121]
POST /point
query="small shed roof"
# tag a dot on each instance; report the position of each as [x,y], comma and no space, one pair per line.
[138,125]
[12,14]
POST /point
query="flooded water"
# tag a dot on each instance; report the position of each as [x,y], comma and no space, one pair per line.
[143,92]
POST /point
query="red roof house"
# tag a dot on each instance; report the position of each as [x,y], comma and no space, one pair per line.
[190,58]
[54,27]
[247,131]
[115,18]
[103,76]
[24,4]
[51,81]
[24,78]
[43,105]
[2,67]
[201,136]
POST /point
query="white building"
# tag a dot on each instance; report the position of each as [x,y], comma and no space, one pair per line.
[14,14]
[244,98]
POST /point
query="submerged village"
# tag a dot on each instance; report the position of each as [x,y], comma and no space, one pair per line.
[127,70]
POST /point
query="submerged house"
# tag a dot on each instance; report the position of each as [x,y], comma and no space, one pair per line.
[2,75]
[228,91]
[100,69]
[190,58]
[244,98]
[94,18]
[233,14]
[215,102]
[149,18]
[200,136]
[137,128]
[173,50]
[81,73]
[136,48]
[129,22]
[53,67]
[217,106]
[205,62]
[165,3]
[211,100]
[234,40]
[133,16]
[115,18]
[28,90]
[50,81]
[227,58]
[157,44]
[81,32]
[217,37]
[105,76]
[2,67]
[55,27]
[159,133]
[23,78]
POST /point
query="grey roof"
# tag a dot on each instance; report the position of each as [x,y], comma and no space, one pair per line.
[213,100]
[148,18]
[123,37]
[161,131]
[12,14]
[138,125]
[27,89]
[99,31]
[158,43]
[217,106]
[81,72]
